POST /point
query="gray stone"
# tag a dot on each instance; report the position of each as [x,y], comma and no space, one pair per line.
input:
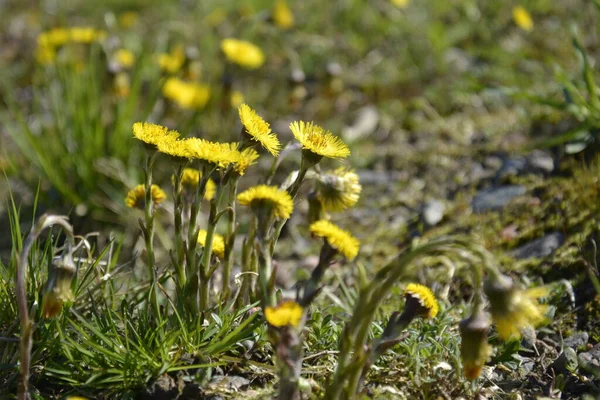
[496,198]
[539,162]
[541,247]
[511,167]
[233,382]
[163,388]
[577,340]
[433,212]
[591,358]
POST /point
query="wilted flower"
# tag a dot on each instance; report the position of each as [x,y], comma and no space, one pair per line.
[153,134]
[337,238]
[282,15]
[318,141]
[513,309]
[286,313]
[189,95]
[421,301]
[136,196]
[338,189]
[522,18]
[58,288]
[258,129]
[243,53]
[218,243]
[270,198]
[474,348]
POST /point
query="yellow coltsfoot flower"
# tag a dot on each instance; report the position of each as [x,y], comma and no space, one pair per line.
[173,61]
[179,149]
[247,158]
[243,53]
[514,309]
[190,179]
[153,134]
[258,129]
[188,95]
[218,243]
[286,313]
[124,58]
[318,141]
[219,154]
[522,18]
[422,300]
[282,15]
[339,189]
[136,196]
[337,238]
[269,198]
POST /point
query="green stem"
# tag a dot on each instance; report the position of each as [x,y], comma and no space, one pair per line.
[149,232]
[193,229]
[178,221]
[230,240]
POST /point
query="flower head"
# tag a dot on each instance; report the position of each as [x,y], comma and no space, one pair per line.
[153,134]
[286,313]
[423,298]
[474,348]
[136,196]
[58,288]
[243,53]
[258,129]
[247,158]
[336,237]
[218,243]
[188,95]
[219,154]
[338,189]
[522,18]
[401,3]
[513,309]
[319,141]
[282,15]
[179,149]
[190,179]
[172,62]
[270,197]
[124,58]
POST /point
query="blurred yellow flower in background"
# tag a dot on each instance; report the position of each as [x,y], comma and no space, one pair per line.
[243,53]
[284,314]
[522,18]
[401,3]
[271,197]
[189,95]
[125,58]
[282,15]
[173,61]
[136,196]
[218,243]
[339,239]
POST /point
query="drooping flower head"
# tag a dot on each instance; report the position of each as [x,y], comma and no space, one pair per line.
[318,141]
[271,198]
[422,299]
[136,196]
[219,154]
[338,189]
[58,287]
[337,238]
[243,53]
[188,95]
[514,309]
[258,129]
[474,348]
[284,314]
[153,134]
[522,18]
[218,243]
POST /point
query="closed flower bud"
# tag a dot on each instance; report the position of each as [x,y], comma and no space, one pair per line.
[58,288]
[474,346]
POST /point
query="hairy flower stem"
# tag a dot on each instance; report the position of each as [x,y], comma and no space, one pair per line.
[27,325]
[193,229]
[148,230]
[178,221]
[230,240]
[204,271]
[248,254]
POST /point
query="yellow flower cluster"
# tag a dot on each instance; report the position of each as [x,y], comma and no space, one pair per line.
[49,41]
[286,313]
[339,189]
[425,297]
[270,197]
[258,129]
[218,243]
[136,196]
[243,53]
[337,238]
[220,154]
[319,141]
[189,95]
